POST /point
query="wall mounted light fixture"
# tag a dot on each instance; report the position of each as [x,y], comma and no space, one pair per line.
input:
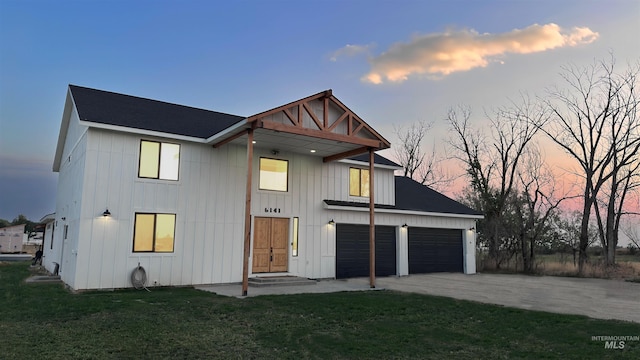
[331,222]
[472,228]
[106,213]
[405,226]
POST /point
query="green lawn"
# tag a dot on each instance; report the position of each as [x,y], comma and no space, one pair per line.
[45,321]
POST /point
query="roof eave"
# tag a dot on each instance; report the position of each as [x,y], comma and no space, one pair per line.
[230,131]
[132,130]
[48,218]
[69,105]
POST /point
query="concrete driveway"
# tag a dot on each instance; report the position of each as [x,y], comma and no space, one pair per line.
[596,298]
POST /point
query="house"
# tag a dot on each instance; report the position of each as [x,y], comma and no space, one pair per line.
[11,239]
[199,197]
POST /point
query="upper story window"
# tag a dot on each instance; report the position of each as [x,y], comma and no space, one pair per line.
[358,182]
[274,174]
[154,232]
[159,160]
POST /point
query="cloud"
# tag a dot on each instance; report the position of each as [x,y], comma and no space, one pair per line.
[441,54]
[350,51]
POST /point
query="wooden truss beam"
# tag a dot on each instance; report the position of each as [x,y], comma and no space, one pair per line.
[345,154]
[325,129]
[370,129]
[287,106]
[313,116]
[290,116]
[345,115]
[270,125]
[230,138]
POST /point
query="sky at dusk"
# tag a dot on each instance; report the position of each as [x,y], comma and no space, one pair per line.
[391,62]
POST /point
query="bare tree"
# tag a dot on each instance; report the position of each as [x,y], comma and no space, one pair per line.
[415,163]
[568,228]
[492,161]
[620,185]
[632,231]
[537,202]
[625,163]
[590,118]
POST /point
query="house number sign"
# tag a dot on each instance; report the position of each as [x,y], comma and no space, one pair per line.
[272,210]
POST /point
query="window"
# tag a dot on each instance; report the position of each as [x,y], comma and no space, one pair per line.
[358,182]
[274,174]
[294,243]
[159,160]
[154,232]
[53,228]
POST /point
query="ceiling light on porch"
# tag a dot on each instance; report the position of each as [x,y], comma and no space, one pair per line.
[253,142]
[312,151]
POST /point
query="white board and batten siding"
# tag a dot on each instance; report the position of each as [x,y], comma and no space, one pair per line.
[69,202]
[310,183]
[336,178]
[208,200]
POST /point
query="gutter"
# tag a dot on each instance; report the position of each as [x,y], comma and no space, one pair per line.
[403,212]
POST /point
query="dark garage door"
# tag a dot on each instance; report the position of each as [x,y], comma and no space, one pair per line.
[435,250]
[352,250]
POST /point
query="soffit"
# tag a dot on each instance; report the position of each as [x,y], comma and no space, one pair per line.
[294,143]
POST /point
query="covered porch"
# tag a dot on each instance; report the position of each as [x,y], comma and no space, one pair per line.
[319,126]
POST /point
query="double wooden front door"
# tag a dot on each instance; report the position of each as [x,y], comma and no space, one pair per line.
[270,239]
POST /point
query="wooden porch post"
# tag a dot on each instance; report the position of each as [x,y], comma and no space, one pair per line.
[372,226]
[247,215]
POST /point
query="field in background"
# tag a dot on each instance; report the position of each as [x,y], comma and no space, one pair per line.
[627,266]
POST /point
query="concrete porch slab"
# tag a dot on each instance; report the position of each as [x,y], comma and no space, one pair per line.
[321,286]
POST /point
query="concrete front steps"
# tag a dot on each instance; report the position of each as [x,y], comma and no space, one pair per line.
[44,279]
[266,281]
[16,257]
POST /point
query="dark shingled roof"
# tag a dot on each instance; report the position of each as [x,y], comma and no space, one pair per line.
[134,112]
[413,196]
[377,159]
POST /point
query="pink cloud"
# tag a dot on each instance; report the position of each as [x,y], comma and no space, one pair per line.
[441,54]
